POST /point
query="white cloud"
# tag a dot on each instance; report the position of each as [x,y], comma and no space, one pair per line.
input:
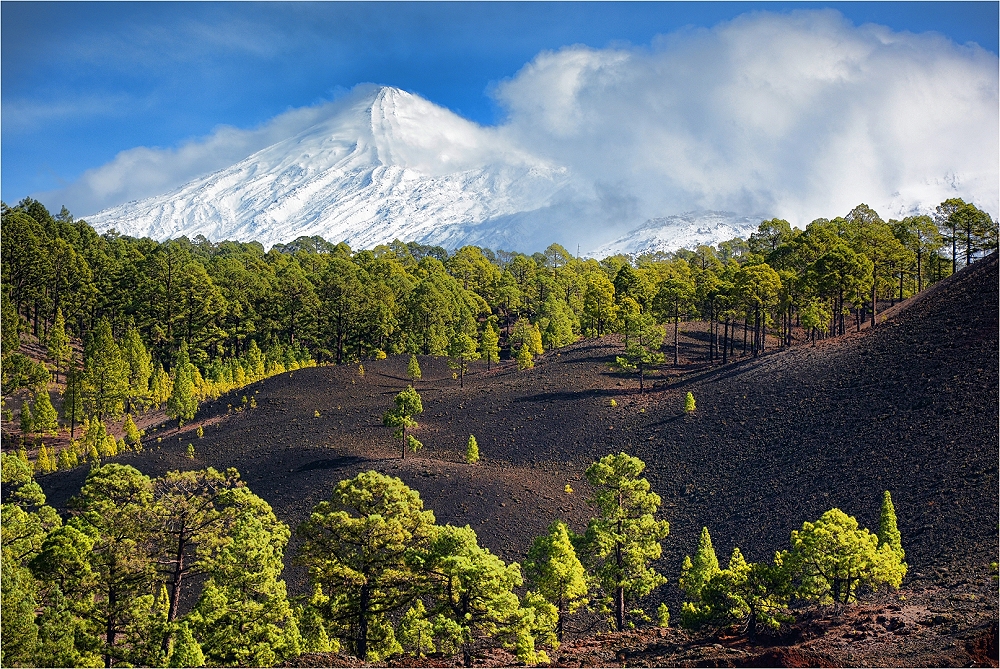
[799,115]
[802,114]
[142,172]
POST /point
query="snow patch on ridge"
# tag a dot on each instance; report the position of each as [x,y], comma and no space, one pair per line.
[687,231]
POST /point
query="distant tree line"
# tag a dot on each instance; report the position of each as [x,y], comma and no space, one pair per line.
[131,324]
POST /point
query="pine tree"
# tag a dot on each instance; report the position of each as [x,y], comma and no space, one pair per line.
[132,435]
[555,572]
[472,451]
[73,397]
[243,617]
[373,525]
[255,367]
[524,359]
[140,366]
[408,405]
[888,532]
[461,350]
[187,651]
[416,632]
[413,369]
[160,386]
[749,594]
[45,420]
[115,510]
[642,351]
[490,345]
[832,556]
[413,443]
[689,405]
[182,404]
[27,420]
[697,571]
[105,374]
[625,537]
[67,459]
[43,463]
[58,344]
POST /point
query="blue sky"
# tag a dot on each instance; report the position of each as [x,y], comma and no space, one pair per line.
[82,82]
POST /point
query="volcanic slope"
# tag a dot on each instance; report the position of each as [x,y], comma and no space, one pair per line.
[910,406]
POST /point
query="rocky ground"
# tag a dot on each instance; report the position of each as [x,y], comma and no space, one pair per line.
[910,406]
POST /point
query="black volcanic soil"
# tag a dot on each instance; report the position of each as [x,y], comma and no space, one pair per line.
[910,406]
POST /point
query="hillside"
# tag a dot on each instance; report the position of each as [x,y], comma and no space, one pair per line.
[911,406]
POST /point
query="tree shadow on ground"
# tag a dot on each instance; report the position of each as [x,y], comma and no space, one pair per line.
[340,462]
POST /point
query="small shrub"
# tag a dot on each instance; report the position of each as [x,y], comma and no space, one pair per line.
[613,404]
[379,354]
[569,489]
[413,443]
[689,405]
[361,371]
[472,451]
[316,413]
[200,432]
[190,451]
[662,615]
[253,402]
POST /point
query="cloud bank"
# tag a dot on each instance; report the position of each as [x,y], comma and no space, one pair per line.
[803,115]
[800,114]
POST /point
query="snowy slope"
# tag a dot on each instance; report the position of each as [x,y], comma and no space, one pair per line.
[688,230]
[386,165]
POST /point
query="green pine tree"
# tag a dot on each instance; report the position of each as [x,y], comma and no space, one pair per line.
[697,571]
[408,405]
[140,369]
[490,345]
[461,350]
[45,420]
[416,633]
[554,571]
[888,532]
[27,420]
[413,369]
[186,651]
[73,397]
[133,437]
[183,403]
[160,386]
[689,405]
[524,359]
[625,537]
[833,556]
[105,374]
[58,345]
[373,525]
[243,617]
[472,451]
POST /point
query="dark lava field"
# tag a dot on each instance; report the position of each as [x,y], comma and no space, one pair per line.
[910,406]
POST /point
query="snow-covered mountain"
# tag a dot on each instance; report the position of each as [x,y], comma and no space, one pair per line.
[387,164]
[687,230]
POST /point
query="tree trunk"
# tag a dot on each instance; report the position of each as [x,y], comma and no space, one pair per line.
[725,342]
[561,612]
[364,605]
[404,443]
[677,323]
[175,589]
[874,295]
[109,630]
